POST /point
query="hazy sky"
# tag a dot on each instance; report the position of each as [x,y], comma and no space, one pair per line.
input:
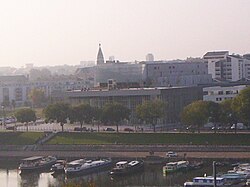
[54,32]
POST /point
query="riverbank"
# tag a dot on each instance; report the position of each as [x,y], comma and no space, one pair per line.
[79,154]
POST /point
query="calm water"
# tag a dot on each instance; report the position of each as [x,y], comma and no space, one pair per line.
[151,176]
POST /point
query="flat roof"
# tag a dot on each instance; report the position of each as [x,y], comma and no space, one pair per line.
[32,158]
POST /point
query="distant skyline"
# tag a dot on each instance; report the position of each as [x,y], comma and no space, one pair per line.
[58,32]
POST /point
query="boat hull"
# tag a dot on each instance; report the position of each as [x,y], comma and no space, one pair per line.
[128,171]
[86,171]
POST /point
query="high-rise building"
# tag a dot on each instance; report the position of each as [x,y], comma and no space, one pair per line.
[100,58]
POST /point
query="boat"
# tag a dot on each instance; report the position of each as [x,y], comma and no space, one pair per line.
[233,178]
[37,163]
[243,169]
[175,166]
[125,167]
[58,167]
[195,165]
[83,166]
[205,182]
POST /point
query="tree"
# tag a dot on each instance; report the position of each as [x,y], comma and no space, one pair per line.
[195,114]
[114,113]
[25,115]
[241,105]
[37,97]
[213,113]
[228,115]
[83,113]
[97,116]
[150,111]
[59,112]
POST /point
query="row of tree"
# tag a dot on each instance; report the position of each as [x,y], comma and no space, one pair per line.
[111,113]
[226,113]
[195,114]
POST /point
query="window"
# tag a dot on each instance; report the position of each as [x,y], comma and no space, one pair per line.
[220,92]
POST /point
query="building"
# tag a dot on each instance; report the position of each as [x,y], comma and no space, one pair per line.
[125,74]
[149,57]
[17,88]
[175,98]
[13,88]
[220,93]
[223,66]
[176,73]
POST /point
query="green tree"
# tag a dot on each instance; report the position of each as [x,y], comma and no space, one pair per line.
[228,115]
[37,97]
[213,113]
[195,114]
[150,112]
[83,113]
[97,116]
[25,115]
[241,105]
[114,113]
[59,112]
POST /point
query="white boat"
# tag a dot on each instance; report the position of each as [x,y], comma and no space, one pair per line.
[175,166]
[205,182]
[243,169]
[125,167]
[83,166]
[37,163]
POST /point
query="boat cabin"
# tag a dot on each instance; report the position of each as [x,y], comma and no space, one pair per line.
[121,164]
[31,161]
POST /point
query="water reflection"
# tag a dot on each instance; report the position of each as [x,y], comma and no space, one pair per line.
[151,176]
[29,179]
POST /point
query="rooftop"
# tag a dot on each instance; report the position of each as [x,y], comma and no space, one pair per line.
[216,53]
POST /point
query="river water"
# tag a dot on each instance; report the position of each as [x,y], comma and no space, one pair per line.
[151,176]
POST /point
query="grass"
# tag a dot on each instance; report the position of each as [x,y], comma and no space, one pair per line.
[19,138]
[151,138]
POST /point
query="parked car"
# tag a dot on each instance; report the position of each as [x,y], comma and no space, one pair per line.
[170,154]
[128,130]
[80,129]
[110,129]
[239,126]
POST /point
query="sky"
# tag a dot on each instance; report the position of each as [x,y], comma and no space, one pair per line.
[58,32]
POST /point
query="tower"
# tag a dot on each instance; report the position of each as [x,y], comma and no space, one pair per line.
[100,58]
[149,57]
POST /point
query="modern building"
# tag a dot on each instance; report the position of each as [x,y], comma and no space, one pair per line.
[176,73]
[125,74]
[220,93]
[223,66]
[175,99]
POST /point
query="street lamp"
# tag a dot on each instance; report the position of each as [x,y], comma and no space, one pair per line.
[3,115]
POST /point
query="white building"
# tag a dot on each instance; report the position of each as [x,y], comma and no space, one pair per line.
[220,93]
[223,66]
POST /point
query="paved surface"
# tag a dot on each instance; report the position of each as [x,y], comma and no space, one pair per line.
[71,154]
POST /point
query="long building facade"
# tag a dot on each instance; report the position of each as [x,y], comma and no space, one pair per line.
[175,99]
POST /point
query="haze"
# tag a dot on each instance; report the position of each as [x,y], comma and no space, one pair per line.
[57,32]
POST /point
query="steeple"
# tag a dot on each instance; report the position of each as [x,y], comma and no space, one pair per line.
[100,58]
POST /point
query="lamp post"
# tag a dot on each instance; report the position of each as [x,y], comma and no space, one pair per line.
[3,115]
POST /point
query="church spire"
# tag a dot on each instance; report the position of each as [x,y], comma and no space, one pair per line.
[100,58]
